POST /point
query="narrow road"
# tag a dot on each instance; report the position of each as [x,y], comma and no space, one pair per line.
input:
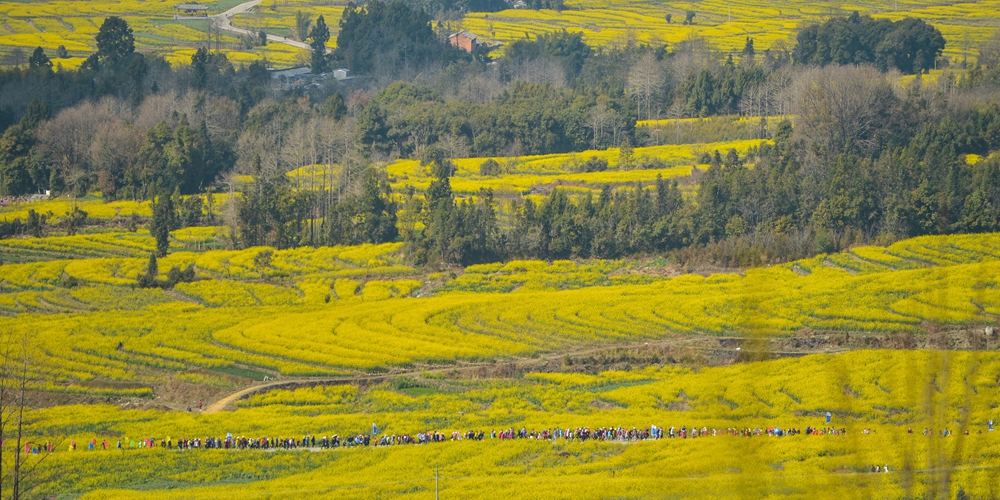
[224,21]
[226,401]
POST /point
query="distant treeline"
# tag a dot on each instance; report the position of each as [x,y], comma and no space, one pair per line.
[864,160]
[791,204]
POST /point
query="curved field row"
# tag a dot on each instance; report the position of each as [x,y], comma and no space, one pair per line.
[320,322]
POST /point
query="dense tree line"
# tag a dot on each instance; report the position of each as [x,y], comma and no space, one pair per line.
[909,45]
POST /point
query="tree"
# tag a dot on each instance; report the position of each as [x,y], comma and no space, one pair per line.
[302,23]
[334,107]
[74,220]
[262,36]
[844,108]
[148,278]
[989,52]
[115,41]
[388,33]
[909,45]
[14,58]
[22,170]
[626,155]
[689,17]
[199,63]
[61,52]
[489,167]
[162,223]
[319,35]
[39,60]
[747,54]
[644,79]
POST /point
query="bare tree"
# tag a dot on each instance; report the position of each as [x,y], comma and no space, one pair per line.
[298,148]
[161,107]
[114,149]
[645,77]
[989,52]
[843,106]
[540,70]
[480,88]
[599,122]
[222,117]
[66,141]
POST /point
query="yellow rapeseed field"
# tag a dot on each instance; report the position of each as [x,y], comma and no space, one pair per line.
[725,24]
[342,309]
[875,396]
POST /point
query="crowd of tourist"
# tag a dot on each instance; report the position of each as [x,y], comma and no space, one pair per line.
[613,434]
[373,439]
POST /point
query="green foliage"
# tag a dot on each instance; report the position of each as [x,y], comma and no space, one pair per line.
[334,107]
[909,45]
[115,40]
[404,36]
[36,223]
[164,219]
[270,212]
[569,49]
[489,167]
[302,24]
[74,220]
[39,60]
[22,169]
[594,164]
[319,35]
[368,216]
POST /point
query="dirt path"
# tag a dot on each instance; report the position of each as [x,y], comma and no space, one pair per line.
[232,398]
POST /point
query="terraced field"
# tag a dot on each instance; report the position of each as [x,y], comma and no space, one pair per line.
[333,311]
[526,174]
[74,23]
[727,24]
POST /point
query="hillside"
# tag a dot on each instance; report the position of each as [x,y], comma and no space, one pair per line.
[499,249]
[352,310]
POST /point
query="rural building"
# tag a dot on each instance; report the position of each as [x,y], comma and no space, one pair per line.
[191,10]
[465,41]
[290,72]
[342,74]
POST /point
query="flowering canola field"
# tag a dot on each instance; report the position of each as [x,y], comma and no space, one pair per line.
[887,392]
[339,310]
[524,173]
[75,23]
[725,24]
